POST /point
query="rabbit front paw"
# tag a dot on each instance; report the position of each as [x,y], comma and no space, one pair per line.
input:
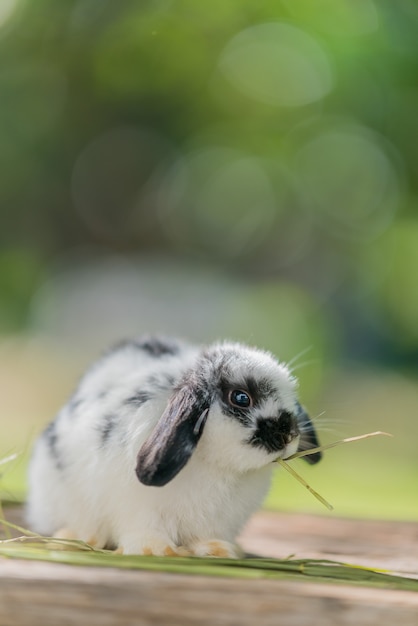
[217,548]
[153,546]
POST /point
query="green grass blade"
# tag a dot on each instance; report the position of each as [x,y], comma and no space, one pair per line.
[9,458]
[301,453]
[245,568]
[305,484]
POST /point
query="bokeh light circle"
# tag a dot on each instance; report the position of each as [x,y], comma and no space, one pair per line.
[277,64]
[217,200]
[349,179]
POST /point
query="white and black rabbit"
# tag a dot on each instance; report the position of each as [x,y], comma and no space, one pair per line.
[167,448]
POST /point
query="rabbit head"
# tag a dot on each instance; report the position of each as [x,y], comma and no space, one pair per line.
[240,403]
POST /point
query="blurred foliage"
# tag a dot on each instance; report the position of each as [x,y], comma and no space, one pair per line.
[272,139]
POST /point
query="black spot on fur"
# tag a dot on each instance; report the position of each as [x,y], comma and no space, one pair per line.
[51,438]
[107,428]
[74,403]
[162,382]
[259,389]
[273,434]
[154,346]
[139,398]
[157,346]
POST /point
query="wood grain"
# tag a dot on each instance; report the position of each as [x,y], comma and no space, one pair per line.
[35,593]
[375,544]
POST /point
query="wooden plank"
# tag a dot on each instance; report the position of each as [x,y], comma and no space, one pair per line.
[38,593]
[377,544]
[46,595]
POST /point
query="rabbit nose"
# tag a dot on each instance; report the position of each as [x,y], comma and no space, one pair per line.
[275,433]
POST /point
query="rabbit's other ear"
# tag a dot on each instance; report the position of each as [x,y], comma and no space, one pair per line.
[173,440]
[308,436]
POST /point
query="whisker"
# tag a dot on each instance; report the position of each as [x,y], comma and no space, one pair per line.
[298,355]
[306,424]
[303,364]
[333,430]
[304,445]
[325,424]
[324,419]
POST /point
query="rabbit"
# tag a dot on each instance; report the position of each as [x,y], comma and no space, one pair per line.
[167,448]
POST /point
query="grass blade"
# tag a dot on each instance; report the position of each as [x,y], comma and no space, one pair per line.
[319,570]
[305,484]
[301,453]
[9,458]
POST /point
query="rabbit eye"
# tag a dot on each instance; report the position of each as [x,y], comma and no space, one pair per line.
[239,398]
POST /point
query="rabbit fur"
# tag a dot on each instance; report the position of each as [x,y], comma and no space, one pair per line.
[166,448]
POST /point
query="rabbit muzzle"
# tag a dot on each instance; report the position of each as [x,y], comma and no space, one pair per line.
[275,433]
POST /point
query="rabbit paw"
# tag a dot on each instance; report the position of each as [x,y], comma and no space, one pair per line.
[153,547]
[67,534]
[217,548]
[62,533]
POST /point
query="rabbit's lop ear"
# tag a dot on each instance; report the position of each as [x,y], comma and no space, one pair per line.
[308,436]
[175,437]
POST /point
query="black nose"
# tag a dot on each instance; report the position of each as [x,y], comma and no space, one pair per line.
[274,433]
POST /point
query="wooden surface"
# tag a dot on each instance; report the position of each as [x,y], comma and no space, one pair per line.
[35,593]
[376,544]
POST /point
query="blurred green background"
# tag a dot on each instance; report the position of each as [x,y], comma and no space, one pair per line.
[218,169]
